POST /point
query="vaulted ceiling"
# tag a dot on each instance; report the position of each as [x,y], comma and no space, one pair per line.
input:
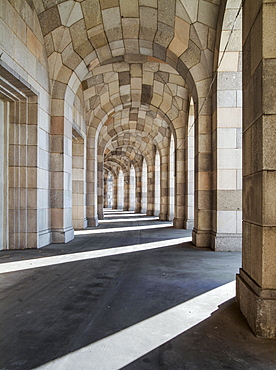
[132,64]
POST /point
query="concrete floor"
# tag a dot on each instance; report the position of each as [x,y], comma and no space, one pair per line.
[132,294]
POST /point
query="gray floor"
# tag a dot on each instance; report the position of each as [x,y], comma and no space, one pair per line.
[156,303]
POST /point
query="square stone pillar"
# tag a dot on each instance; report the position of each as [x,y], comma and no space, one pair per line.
[115,192]
[100,191]
[105,189]
[179,216]
[256,282]
[91,183]
[150,190]
[138,205]
[164,186]
[61,179]
[203,180]
[126,191]
[78,182]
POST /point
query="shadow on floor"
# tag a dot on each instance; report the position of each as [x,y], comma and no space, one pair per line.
[52,311]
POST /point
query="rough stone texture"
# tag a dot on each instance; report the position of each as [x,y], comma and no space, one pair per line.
[257,279]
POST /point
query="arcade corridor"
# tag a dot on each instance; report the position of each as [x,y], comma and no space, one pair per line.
[133,293]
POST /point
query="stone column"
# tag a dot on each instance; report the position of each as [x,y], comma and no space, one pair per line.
[172,179]
[61,177]
[203,178]
[138,205]
[179,217]
[151,186]
[126,191]
[105,189]
[91,183]
[256,282]
[100,190]
[120,193]
[144,187]
[78,183]
[23,175]
[164,186]
[189,171]
[115,192]
[226,132]
[4,149]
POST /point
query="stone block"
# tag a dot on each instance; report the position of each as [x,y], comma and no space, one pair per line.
[229,62]
[269,140]
[227,179]
[201,238]
[226,98]
[105,4]
[130,28]
[164,34]
[226,222]
[104,53]
[269,83]
[229,159]
[226,138]
[229,117]
[148,23]
[129,9]
[70,12]
[230,80]
[111,18]
[269,258]
[226,242]
[252,198]
[269,198]
[229,200]
[206,13]
[269,38]
[49,20]
[260,312]
[180,41]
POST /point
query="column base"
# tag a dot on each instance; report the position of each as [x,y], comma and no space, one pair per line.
[189,224]
[150,213]
[92,222]
[201,239]
[178,223]
[44,238]
[62,235]
[257,305]
[80,224]
[163,217]
[226,242]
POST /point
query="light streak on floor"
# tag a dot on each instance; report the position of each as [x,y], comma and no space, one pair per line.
[74,257]
[141,219]
[120,229]
[124,347]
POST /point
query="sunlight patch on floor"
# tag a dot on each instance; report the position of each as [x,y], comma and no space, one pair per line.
[117,214]
[141,219]
[81,256]
[119,229]
[124,347]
